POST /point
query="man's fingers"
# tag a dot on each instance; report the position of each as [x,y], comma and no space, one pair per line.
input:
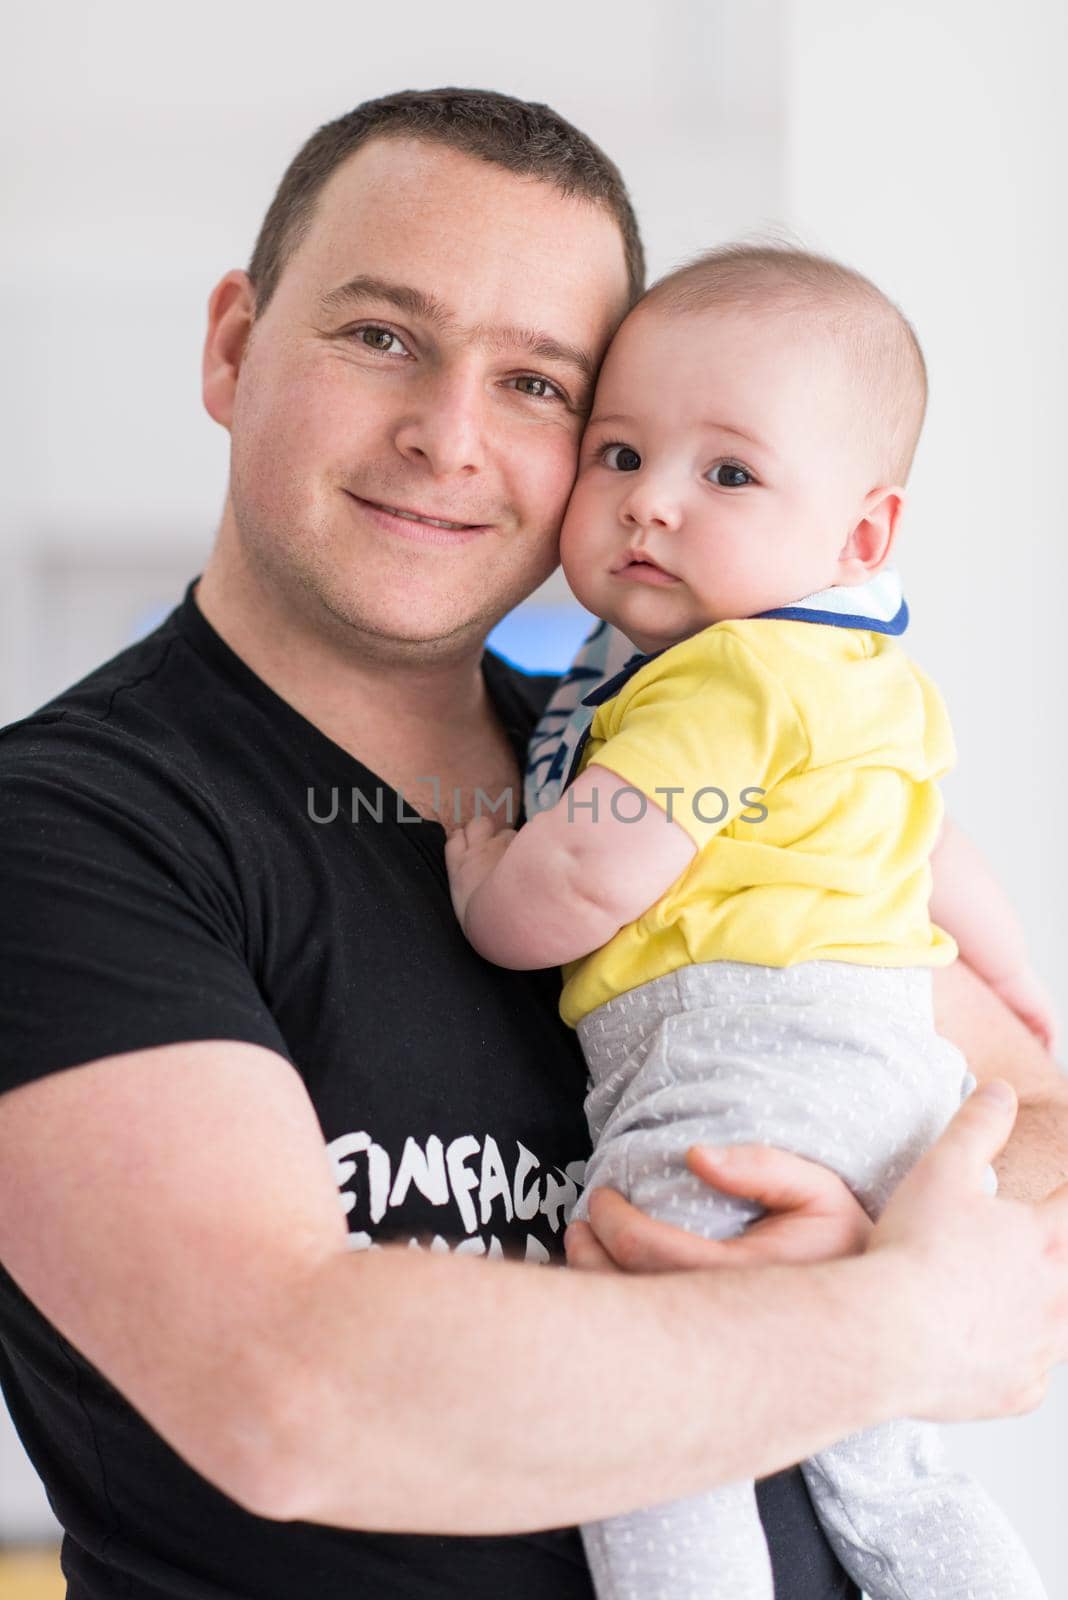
[637,1243]
[776,1179]
[978,1132]
[583,1251]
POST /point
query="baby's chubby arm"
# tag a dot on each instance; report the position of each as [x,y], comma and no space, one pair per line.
[570,879]
[969,903]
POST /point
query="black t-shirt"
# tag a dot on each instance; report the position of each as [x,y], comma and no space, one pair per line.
[184,856]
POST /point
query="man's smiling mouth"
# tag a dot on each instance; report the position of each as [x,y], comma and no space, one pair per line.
[417,519]
[416,516]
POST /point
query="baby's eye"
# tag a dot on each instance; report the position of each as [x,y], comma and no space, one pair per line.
[377,338]
[729,475]
[621,458]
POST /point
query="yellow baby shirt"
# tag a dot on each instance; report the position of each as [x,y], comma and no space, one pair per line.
[846,736]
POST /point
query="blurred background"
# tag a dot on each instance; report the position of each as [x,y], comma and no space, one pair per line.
[140,146]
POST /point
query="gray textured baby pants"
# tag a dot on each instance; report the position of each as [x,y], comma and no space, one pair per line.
[840,1064]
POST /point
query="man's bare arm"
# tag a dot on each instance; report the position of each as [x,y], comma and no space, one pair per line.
[997,1044]
[174,1215]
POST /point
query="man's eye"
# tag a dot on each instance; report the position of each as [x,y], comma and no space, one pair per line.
[377,338]
[729,475]
[538,388]
[621,458]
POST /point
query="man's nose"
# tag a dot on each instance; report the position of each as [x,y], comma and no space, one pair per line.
[444,426]
[651,503]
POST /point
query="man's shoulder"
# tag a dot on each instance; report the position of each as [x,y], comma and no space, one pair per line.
[94,701]
[95,696]
[130,727]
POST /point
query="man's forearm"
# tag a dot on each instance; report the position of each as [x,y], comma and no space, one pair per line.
[998,1045]
[534,1398]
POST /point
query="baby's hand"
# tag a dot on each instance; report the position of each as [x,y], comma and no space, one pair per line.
[1024,993]
[471,853]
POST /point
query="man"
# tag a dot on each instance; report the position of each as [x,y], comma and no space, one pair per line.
[227,935]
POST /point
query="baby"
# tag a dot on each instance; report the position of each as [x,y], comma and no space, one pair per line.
[738,876]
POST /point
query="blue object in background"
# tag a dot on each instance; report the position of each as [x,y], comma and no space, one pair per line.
[535,638]
[541,638]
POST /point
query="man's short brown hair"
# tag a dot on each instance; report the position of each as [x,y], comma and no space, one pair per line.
[521,136]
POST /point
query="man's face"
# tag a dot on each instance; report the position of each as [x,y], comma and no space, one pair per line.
[430,349]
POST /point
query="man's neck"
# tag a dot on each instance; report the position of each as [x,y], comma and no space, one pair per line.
[336,677]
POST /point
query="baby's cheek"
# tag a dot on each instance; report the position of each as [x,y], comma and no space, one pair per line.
[573,544]
[585,562]
[584,523]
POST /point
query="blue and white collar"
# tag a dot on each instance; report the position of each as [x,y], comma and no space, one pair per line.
[877,606]
[607,660]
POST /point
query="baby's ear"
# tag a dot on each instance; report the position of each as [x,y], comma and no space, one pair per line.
[871,540]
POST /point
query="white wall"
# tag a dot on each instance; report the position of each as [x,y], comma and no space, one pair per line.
[925,145]
[139,146]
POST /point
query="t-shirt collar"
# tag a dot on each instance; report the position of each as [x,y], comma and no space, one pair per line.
[877,606]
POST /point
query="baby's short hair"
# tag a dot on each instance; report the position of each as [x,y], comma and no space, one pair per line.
[879,345]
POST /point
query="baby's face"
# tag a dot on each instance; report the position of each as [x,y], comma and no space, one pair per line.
[720,474]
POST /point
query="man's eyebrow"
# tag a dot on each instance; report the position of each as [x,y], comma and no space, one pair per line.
[417,303]
[541,345]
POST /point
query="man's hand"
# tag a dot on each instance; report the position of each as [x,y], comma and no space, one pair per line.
[998,1045]
[812,1216]
[981,1283]
[471,853]
[969,1293]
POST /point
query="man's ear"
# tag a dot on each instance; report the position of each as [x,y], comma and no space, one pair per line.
[871,540]
[230,313]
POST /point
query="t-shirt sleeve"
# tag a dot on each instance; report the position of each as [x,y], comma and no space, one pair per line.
[121,925]
[709,719]
[940,747]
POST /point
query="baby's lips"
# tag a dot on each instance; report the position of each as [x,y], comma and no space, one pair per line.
[641,559]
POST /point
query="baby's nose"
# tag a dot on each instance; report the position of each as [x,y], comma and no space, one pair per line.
[649,507]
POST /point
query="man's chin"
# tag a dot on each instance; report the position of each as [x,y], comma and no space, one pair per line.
[406,628]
